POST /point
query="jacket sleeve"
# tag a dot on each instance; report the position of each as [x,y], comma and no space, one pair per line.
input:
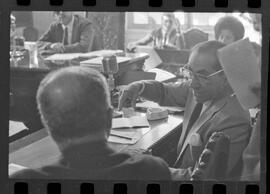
[169,94]
[86,40]
[46,39]
[146,40]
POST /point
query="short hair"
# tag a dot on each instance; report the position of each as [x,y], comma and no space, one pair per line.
[73,102]
[210,48]
[230,23]
[169,15]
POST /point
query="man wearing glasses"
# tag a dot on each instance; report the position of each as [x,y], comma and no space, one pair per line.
[210,106]
[69,34]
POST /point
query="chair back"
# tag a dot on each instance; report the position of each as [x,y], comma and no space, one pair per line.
[193,37]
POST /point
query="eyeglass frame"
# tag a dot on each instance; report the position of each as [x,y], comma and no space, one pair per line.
[200,76]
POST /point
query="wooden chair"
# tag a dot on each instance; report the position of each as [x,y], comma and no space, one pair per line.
[193,37]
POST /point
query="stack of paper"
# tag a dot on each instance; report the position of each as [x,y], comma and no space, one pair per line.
[131,122]
[89,55]
[149,104]
[101,53]
[63,57]
[96,63]
[241,67]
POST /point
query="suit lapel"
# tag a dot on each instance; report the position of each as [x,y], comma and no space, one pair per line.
[204,117]
[190,105]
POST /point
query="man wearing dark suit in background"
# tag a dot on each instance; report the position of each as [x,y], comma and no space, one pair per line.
[209,107]
[167,36]
[69,34]
[75,108]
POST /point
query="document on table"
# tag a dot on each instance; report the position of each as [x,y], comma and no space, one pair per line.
[131,122]
[71,56]
[128,135]
[63,56]
[153,61]
[241,67]
[16,127]
[101,53]
[150,104]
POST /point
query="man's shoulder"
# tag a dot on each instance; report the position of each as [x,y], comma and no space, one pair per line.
[233,110]
[82,20]
[148,163]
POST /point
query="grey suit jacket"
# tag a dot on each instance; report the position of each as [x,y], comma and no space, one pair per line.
[224,115]
[82,39]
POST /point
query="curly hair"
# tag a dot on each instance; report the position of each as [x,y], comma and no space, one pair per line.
[73,102]
[230,23]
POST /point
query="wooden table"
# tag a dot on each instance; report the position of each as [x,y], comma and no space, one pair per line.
[38,149]
[24,82]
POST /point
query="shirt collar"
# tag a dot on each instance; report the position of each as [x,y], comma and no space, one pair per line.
[70,24]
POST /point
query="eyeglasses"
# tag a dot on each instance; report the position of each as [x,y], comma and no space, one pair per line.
[190,74]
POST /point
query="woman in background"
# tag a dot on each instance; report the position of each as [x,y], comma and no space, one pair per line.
[229,29]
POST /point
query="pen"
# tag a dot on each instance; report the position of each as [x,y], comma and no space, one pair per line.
[129,138]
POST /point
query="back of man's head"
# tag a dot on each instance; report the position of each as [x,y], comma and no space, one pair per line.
[210,48]
[73,102]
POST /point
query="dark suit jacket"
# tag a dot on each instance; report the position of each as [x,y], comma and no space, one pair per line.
[156,36]
[97,161]
[82,39]
[225,115]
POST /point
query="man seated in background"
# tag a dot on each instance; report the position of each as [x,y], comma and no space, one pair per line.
[68,34]
[167,36]
[229,29]
[75,108]
[210,106]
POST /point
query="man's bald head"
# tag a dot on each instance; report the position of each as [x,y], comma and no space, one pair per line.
[73,102]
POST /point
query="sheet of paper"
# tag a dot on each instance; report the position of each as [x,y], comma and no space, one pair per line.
[16,127]
[120,123]
[153,60]
[124,133]
[98,60]
[13,168]
[151,104]
[63,57]
[135,134]
[131,122]
[241,67]
[139,121]
[101,53]
[120,140]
